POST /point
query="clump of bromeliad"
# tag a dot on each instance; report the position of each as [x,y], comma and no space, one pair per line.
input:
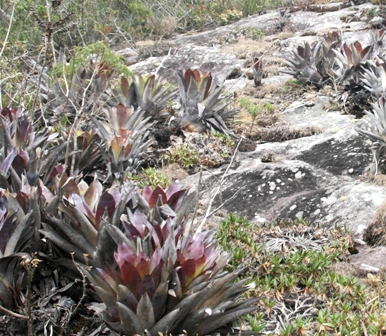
[65,199]
[353,67]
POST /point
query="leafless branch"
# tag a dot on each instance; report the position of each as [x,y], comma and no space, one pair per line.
[10,312]
[9,28]
[222,181]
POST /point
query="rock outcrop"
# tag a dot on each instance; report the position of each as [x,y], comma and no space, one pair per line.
[319,177]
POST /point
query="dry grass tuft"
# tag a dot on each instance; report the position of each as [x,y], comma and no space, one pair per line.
[283,133]
[174,171]
[162,26]
[263,90]
[375,234]
[271,70]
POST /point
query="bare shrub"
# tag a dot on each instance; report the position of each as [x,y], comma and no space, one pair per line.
[163,26]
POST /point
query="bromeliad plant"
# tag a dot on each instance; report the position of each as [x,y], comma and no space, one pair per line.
[328,58]
[25,151]
[378,134]
[374,79]
[125,136]
[148,93]
[165,279]
[303,62]
[350,61]
[83,84]
[314,62]
[19,220]
[202,105]
[76,221]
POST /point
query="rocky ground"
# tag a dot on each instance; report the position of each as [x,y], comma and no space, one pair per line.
[306,160]
[309,161]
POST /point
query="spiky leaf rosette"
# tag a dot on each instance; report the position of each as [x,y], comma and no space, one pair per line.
[125,136]
[82,84]
[377,37]
[86,153]
[313,63]
[148,93]
[165,279]
[77,221]
[378,133]
[374,78]
[302,62]
[17,223]
[202,105]
[350,61]
[25,151]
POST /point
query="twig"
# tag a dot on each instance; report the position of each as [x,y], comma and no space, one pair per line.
[78,114]
[225,202]
[9,29]
[84,281]
[51,329]
[208,211]
[163,60]
[189,227]
[29,263]
[13,313]
[364,327]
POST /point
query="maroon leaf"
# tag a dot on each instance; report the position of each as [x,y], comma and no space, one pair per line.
[365,51]
[348,53]
[188,74]
[358,46]
[174,187]
[195,249]
[105,202]
[125,86]
[130,278]
[154,197]
[301,51]
[70,188]
[122,115]
[22,130]
[186,273]
[20,162]
[58,169]
[146,193]
[93,193]
[6,112]
[22,198]
[197,75]
[124,254]
[176,199]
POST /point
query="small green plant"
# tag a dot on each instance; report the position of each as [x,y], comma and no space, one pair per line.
[256,322]
[293,82]
[183,155]
[98,51]
[153,177]
[327,301]
[237,229]
[372,12]
[224,137]
[254,33]
[254,110]
[229,16]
